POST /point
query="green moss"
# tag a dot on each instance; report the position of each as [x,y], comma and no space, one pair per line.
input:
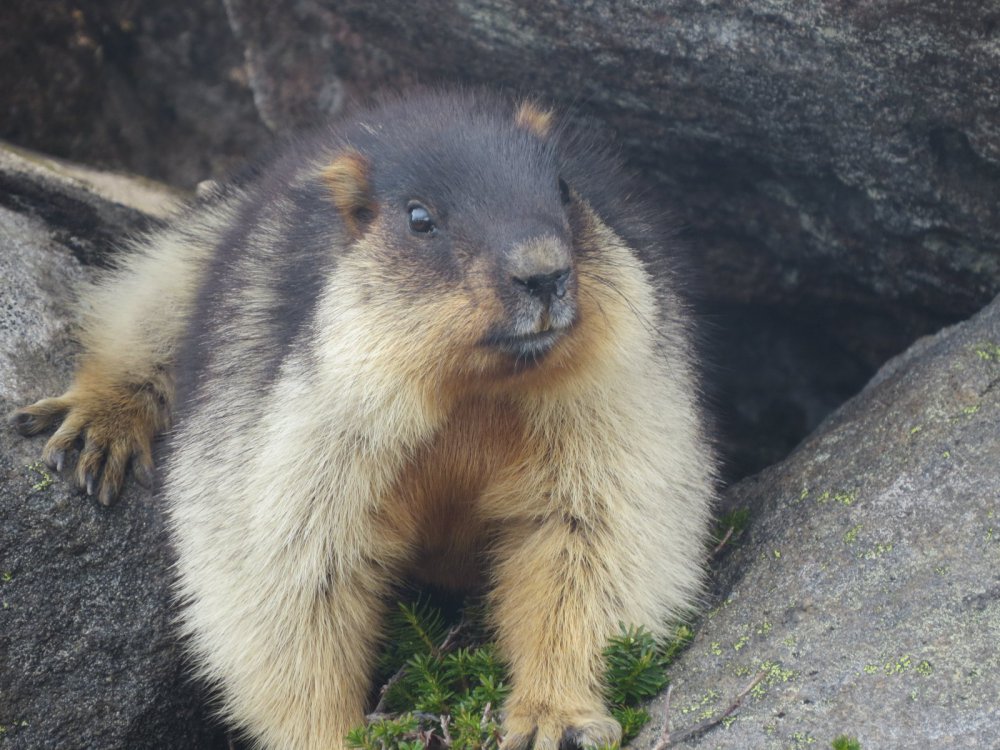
[988,352]
[715,610]
[775,673]
[851,536]
[703,705]
[899,666]
[844,497]
[924,668]
[46,479]
[879,550]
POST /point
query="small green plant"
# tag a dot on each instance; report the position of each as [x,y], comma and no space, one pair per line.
[636,671]
[435,693]
[843,742]
[443,688]
[635,667]
[729,527]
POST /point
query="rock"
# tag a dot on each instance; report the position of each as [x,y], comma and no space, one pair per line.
[156,88]
[867,584]
[304,62]
[88,654]
[85,210]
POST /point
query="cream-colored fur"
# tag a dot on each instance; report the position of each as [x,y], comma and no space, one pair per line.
[597,485]
[392,445]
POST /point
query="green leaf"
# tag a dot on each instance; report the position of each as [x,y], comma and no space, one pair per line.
[631,719]
[635,667]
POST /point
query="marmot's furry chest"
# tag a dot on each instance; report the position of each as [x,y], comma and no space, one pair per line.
[440,491]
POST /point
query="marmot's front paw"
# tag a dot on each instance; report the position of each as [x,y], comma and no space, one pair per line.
[552,730]
[112,425]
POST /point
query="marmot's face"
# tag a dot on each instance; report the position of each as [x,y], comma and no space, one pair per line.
[467,229]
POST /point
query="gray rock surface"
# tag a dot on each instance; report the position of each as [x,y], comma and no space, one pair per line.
[88,657]
[867,584]
[156,88]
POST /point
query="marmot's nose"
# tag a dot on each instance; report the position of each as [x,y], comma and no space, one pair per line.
[544,286]
[542,268]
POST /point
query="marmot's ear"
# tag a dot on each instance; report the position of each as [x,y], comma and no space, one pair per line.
[347,179]
[534,118]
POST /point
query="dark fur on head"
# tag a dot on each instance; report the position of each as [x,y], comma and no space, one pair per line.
[495,175]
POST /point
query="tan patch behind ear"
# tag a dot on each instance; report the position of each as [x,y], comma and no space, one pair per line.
[347,178]
[534,118]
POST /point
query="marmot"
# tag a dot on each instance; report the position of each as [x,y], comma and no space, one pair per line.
[428,340]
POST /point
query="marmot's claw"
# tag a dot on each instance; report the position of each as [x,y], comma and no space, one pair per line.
[143,472]
[580,730]
[30,420]
[56,459]
[23,423]
[113,428]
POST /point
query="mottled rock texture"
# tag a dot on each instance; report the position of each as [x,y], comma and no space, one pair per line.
[867,584]
[88,655]
[157,88]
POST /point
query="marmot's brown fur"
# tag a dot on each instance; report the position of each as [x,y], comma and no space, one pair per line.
[426,341]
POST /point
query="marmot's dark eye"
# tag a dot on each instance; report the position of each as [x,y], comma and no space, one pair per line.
[564,191]
[420,219]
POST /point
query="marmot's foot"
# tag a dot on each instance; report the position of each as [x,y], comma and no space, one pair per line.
[552,731]
[111,425]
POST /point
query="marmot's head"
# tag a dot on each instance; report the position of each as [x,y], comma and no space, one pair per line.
[466,237]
